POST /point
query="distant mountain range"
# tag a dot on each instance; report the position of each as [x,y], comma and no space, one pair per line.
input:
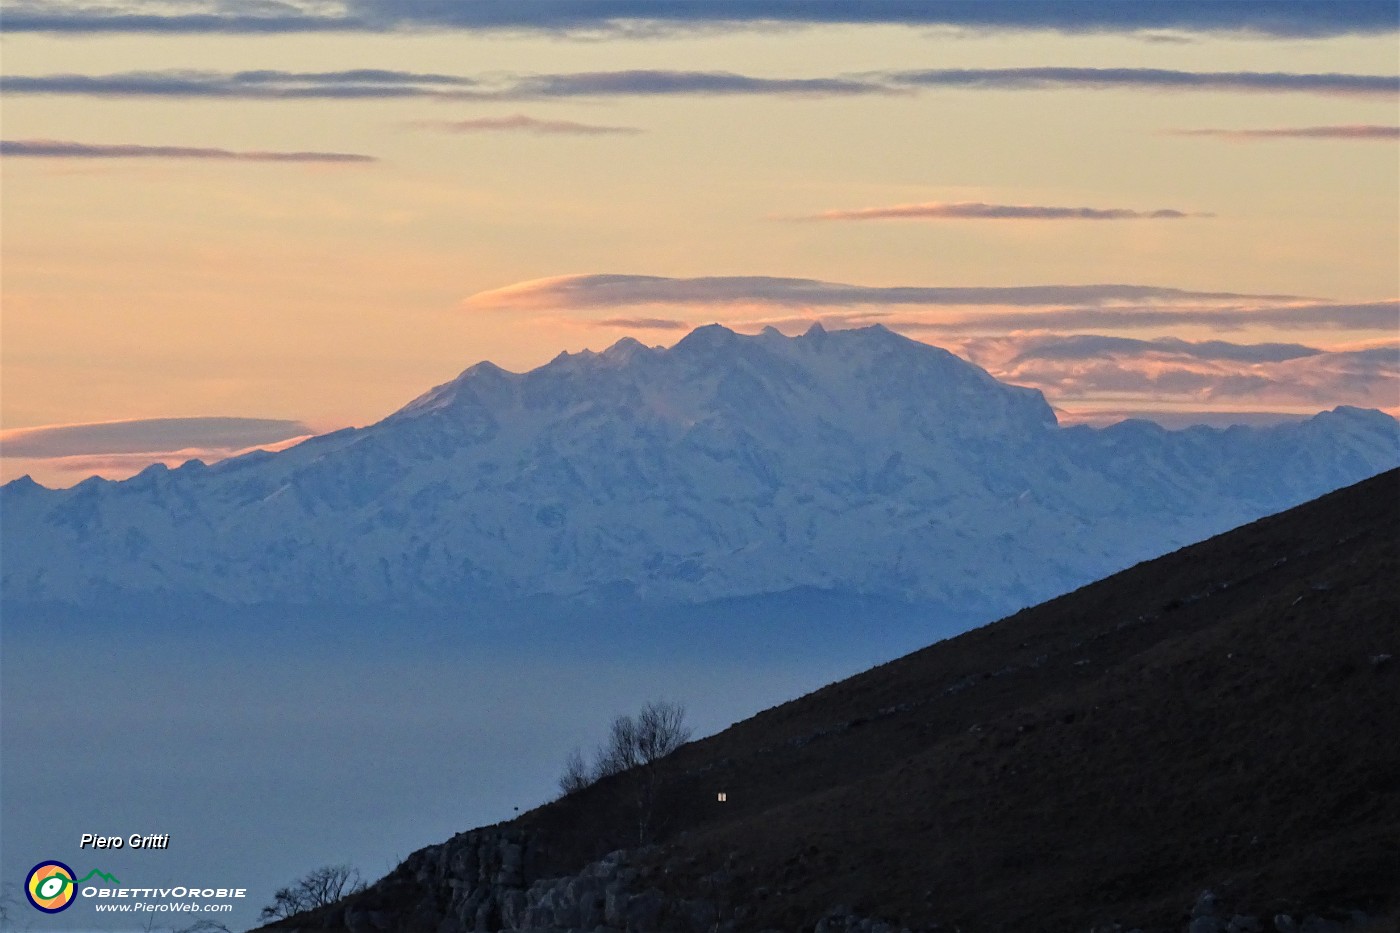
[857,461]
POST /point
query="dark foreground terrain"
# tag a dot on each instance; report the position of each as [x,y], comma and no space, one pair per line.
[1225,718]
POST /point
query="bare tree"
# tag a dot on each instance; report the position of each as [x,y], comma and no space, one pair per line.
[318,888]
[660,730]
[619,752]
[576,775]
[635,746]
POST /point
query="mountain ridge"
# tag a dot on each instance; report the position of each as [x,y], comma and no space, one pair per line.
[726,465]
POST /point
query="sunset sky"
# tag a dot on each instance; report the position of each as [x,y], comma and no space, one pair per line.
[232,224]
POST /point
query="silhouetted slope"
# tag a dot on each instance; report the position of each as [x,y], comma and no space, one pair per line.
[1221,714]
[1223,717]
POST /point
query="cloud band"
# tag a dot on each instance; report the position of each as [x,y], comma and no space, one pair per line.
[59,149]
[1366,132]
[520,123]
[370,84]
[618,290]
[147,435]
[976,210]
[1272,18]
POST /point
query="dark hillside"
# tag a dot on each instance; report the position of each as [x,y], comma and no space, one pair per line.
[1224,717]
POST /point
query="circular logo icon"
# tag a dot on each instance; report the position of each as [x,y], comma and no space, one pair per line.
[50,887]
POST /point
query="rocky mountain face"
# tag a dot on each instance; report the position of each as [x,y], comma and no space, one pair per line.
[1204,742]
[727,465]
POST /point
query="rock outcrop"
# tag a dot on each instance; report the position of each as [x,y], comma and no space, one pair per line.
[494,879]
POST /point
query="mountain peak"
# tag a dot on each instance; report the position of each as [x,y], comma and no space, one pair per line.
[624,350]
[870,335]
[443,396]
[485,369]
[707,337]
[23,484]
[880,334]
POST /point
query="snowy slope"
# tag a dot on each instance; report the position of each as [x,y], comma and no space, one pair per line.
[725,466]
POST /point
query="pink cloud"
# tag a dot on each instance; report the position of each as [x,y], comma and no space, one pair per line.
[1359,316]
[977,210]
[520,123]
[1147,374]
[1173,419]
[64,471]
[143,436]
[116,466]
[1360,132]
[643,323]
[616,290]
[58,454]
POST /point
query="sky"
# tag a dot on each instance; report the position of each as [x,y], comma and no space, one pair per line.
[231,225]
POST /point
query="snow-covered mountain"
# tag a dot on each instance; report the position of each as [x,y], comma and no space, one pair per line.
[725,466]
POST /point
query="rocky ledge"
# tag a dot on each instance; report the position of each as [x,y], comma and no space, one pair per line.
[496,880]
